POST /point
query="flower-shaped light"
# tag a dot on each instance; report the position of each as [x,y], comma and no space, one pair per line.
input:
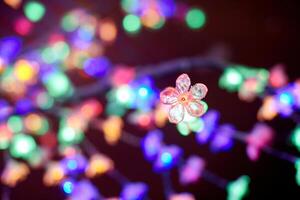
[183,98]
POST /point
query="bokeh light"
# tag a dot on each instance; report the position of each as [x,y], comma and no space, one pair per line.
[34,11]
[25,71]
[58,85]
[22,146]
[13,3]
[22,26]
[132,24]
[195,18]
[108,31]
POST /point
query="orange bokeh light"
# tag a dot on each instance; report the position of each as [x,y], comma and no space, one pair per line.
[108,31]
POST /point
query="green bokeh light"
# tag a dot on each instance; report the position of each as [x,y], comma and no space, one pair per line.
[4,143]
[58,52]
[132,23]
[36,157]
[48,55]
[58,85]
[69,23]
[295,137]
[237,189]
[124,95]
[22,146]
[61,50]
[129,5]
[68,135]
[297,176]
[15,123]
[183,128]
[113,108]
[197,125]
[34,11]
[205,106]
[231,79]
[195,18]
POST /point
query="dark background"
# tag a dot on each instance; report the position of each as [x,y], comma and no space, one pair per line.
[255,32]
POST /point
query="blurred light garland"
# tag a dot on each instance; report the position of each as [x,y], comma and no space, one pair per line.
[37,84]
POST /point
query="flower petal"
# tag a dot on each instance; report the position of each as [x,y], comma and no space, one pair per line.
[195,108]
[199,91]
[176,113]
[183,83]
[169,95]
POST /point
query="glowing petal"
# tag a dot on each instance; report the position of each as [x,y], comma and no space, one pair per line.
[176,113]
[169,95]
[199,91]
[183,83]
[195,109]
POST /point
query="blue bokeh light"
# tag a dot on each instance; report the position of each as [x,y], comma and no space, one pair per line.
[286,98]
[68,187]
[96,67]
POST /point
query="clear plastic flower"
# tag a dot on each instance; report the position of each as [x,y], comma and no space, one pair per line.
[184,99]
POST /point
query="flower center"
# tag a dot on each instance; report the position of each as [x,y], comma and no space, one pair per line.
[183,98]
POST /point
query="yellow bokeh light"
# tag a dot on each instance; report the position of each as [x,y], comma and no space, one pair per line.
[160,116]
[54,174]
[112,129]
[24,71]
[99,164]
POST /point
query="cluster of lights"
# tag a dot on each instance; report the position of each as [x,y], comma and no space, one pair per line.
[164,157]
[191,170]
[284,102]
[139,94]
[34,12]
[73,125]
[39,79]
[65,173]
[154,14]
[157,117]
[279,97]
[220,137]
[248,82]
